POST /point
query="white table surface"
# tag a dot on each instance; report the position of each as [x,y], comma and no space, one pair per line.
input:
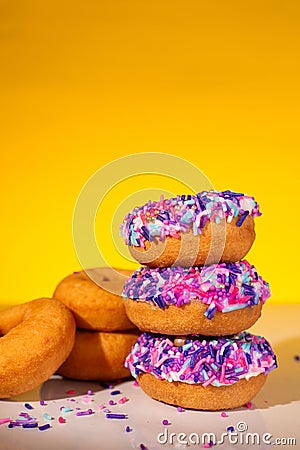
[275,410]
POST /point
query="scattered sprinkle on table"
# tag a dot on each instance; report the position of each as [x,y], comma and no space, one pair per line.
[28,406]
[128,429]
[61,420]
[115,392]
[85,413]
[44,427]
[230,429]
[180,409]
[165,422]
[116,416]
[123,400]
[4,420]
[223,414]
[249,405]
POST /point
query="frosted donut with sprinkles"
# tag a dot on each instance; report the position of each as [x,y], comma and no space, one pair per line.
[190,230]
[220,299]
[199,372]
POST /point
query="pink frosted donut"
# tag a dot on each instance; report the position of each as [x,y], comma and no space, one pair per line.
[199,372]
[191,230]
[214,300]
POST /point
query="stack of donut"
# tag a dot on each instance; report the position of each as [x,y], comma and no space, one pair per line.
[194,299]
[104,334]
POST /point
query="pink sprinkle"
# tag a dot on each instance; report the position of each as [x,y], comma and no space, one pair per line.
[71,392]
[179,409]
[249,405]
[123,400]
[90,392]
[223,414]
[101,407]
[4,420]
[206,446]
[135,383]
[61,420]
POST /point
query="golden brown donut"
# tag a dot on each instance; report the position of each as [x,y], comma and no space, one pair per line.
[99,356]
[190,318]
[220,299]
[200,372]
[94,297]
[195,396]
[37,338]
[190,230]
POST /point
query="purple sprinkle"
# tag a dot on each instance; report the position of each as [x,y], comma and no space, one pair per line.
[44,427]
[165,422]
[143,447]
[85,413]
[29,425]
[111,402]
[28,406]
[128,429]
[116,416]
[90,392]
[230,429]
[42,403]
[115,392]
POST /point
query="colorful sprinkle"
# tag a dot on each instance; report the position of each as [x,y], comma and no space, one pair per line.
[116,416]
[180,409]
[222,287]
[85,413]
[44,427]
[115,392]
[48,417]
[71,392]
[128,429]
[170,217]
[221,361]
[2,421]
[28,406]
[111,403]
[223,414]
[249,405]
[230,429]
[123,400]
[165,422]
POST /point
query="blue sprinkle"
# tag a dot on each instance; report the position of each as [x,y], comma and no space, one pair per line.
[28,406]
[115,392]
[44,427]
[242,218]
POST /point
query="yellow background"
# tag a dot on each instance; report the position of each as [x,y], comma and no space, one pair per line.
[83,83]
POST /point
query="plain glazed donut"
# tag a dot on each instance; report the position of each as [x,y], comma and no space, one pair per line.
[99,356]
[191,230]
[94,297]
[216,300]
[200,372]
[36,339]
